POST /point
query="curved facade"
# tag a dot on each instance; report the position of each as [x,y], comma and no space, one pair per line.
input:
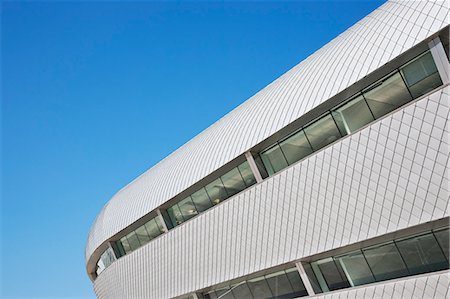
[346,151]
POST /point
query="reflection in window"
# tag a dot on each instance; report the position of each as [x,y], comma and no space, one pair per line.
[241,290]
[187,208]
[385,262]
[106,259]
[142,235]
[201,200]
[356,268]
[330,275]
[259,288]
[273,159]
[296,147]
[247,174]
[422,254]
[133,241]
[442,238]
[387,95]
[421,75]
[233,182]
[322,132]
[353,115]
[175,215]
[216,191]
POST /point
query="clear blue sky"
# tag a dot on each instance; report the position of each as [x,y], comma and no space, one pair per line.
[95,93]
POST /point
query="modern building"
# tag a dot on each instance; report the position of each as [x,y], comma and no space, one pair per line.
[331,182]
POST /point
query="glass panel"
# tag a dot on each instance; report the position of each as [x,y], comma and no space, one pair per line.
[125,244]
[142,235]
[353,115]
[247,174]
[241,290]
[385,262]
[187,208]
[355,268]
[175,215]
[421,75]
[296,283]
[261,167]
[118,248]
[333,274]
[210,295]
[224,293]
[259,288]
[386,95]
[312,278]
[273,159]
[422,254]
[159,223]
[133,241]
[233,182]
[216,191]
[201,200]
[295,147]
[108,257]
[279,284]
[442,237]
[100,267]
[322,132]
[152,229]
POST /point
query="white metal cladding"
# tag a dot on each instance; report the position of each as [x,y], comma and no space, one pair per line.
[378,38]
[390,175]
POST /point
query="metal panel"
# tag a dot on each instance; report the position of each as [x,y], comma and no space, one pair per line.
[390,175]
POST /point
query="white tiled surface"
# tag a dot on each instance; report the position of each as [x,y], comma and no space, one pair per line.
[390,175]
[417,287]
[378,38]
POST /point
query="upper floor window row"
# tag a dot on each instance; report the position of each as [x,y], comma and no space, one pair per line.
[225,186]
[412,80]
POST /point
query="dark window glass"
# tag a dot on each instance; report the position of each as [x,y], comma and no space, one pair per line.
[442,237]
[332,274]
[356,268]
[224,293]
[262,169]
[421,75]
[387,95]
[247,174]
[233,182]
[259,288]
[322,132]
[216,191]
[187,208]
[152,229]
[312,278]
[201,200]
[125,244]
[175,215]
[296,283]
[295,147]
[210,295]
[385,262]
[133,241]
[142,235]
[279,284]
[422,254]
[241,290]
[159,223]
[353,115]
[273,159]
[118,248]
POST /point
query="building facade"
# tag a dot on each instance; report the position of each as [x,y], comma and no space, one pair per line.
[331,182]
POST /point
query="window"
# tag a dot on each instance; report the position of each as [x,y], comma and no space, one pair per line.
[247,174]
[442,238]
[142,235]
[233,182]
[353,115]
[153,229]
[421,75]
[387,95]
[279,284]
[216,191]
[201,200]
[330,275]
[322,132]
[273,159]
[241,290]
[385,262]
[175,215]
[422,254]
[356,268]
[133,241]
[259,288]
[125,245]
[295,147]
[187,208]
